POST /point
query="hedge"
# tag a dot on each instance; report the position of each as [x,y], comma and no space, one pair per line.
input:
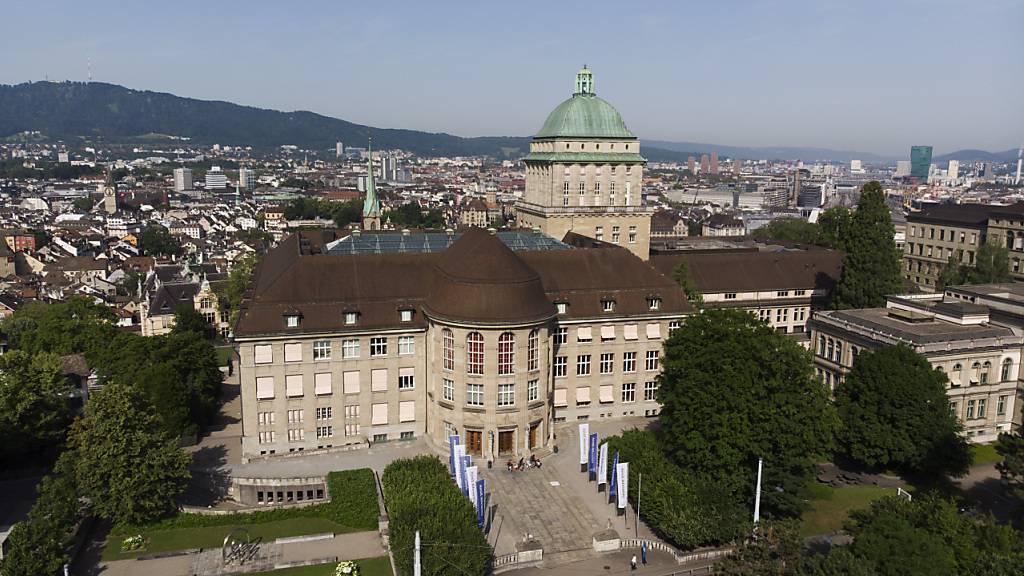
[680,507]
[353,504]
[420,495]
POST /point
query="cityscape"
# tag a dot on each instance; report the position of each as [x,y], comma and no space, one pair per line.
[528,324]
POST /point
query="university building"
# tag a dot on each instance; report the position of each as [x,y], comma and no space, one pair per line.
[387,336]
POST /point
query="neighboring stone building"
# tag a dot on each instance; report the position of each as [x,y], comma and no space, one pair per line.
[474,212]
[667,224]
[1006,228]
[782,288]
[723,225]
[938,233]
[584,174]
[469,337]
[168,288]
[981,357]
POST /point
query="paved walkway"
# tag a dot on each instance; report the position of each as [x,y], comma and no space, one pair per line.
[616,564]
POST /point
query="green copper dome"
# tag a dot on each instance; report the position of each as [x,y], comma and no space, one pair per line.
[584,115]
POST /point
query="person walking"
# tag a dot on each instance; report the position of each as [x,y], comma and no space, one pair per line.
[632,562]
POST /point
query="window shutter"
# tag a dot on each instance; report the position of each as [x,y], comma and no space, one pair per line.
[263,354]
[380,414]
[351,382]
[379,380]
[264,387]
[584,333]
[560,397]
[293,385]
[629,332]
[607,393]
[583,394]
[407,411]
[293,352]
[607,332]
[653,331]
[406,372]
[322,383]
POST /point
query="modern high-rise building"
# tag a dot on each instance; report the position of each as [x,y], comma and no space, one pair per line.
[856,166]
[920,162]
[691,165]
[182,179]
[246,178]
[953,172]
[902,168]
[705,164]
[339,150]
[584,174]
[216,179]
[737,166]
[714,162]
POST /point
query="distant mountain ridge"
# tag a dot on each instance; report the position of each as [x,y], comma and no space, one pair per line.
[95,110]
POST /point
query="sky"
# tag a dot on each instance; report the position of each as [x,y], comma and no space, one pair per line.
[849,75]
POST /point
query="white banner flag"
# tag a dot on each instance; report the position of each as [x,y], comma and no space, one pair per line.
[623,483]
[602,465]
[584,442]
[471,477]
[460,453]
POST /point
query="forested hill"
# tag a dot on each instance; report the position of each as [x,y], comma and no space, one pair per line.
[69,110]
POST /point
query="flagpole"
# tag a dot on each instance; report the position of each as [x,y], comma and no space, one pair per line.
[757,494]
[639,486]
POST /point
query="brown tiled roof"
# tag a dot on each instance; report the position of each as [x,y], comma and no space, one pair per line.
[971,215]
[757,271]
[477,279]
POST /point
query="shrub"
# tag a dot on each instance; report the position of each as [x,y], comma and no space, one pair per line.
[681,507]
[420,495]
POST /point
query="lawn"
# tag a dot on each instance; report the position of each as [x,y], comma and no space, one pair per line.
[213,536]
[224,355]
[379,566]
[984,454]
[829,506]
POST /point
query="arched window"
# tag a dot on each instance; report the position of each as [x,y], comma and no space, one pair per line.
[831,348]
[976,369]
[839,352]
[506,354]
[533,351]
[1007,370]
[448,349]
[475,353]
[821,345]
[985,369]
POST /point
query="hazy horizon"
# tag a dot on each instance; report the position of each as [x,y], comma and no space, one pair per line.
[875,77]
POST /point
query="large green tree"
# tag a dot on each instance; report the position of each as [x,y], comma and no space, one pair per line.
[230,292]
[39,545]
[991,265]
[871,267]
[681,274]
[834,226]
[34,406]
[1011,467]
[734,390]
[156,240]
[129,469]
[895,414]
[75,326]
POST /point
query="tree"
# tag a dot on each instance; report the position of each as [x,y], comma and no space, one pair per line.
[1011,468]
[734,390]
[871,267]
[895,414]
[83,204]
[188,319]
[992,265]
[789,229]
[231,291]
[39,544]
[34,408]
[131,471]
[834,226]
[776,550]
[681,274]
[156,240]
[952,274]
[74,326]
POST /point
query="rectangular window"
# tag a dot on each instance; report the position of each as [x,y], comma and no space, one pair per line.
[352,411]
[378,347]
[533,352]
[379,380]
[296,435]
[599,232]
[782,293]
[266,418]
[560,366]
[378,414]
[583,365]
[970,409]
[475,394]
[730,295]
[629,362]
[673,325]
[293,385]
[562,336]
[1001,406]
[324,431]
[532,390]
[981,408]
[291,321]
[407,411]
[629,332]
[562,307]
[632,234]
[321,350]
[293,352]
[583,395]
[799,292]
[324,413]
[406,345]
[607,361]
[629,392]
[351,318]
[296,416]
[322,383]
[608,305]
[405,436]
[350,348]
[584,334]
[615,234]
[448,389]
[351,382]
[653,303]
[650,390]
[380,438]
[506,394]
[267,437]
[263,354]
[264,387]
[405,315]
[651,361]
[351,429]
[406,378]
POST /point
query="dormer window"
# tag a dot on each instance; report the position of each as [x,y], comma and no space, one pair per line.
[291,320]
[654,303]
[562,307]
[608,305]
[405,315]
[351,318]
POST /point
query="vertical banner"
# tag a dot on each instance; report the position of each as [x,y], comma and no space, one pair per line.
[460,452]
[466,462]
[481,501]
[613,487]
[623,483]
[584,449]
[453,441]
[602,465]
[471,478]
[592,457]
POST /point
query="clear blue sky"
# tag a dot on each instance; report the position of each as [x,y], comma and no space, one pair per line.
[870,76]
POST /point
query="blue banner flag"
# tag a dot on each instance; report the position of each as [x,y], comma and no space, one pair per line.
[480,500]
[453,441]
[592,460]
[615,481]
[467,461]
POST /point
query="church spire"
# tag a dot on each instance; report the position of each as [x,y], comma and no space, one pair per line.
[584,81]
[371,205]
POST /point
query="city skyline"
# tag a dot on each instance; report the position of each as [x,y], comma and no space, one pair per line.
[865,78]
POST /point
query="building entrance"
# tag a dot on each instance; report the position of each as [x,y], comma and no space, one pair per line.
[506,441]
[474,441]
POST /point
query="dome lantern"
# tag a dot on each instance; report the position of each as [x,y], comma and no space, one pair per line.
[584,81]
